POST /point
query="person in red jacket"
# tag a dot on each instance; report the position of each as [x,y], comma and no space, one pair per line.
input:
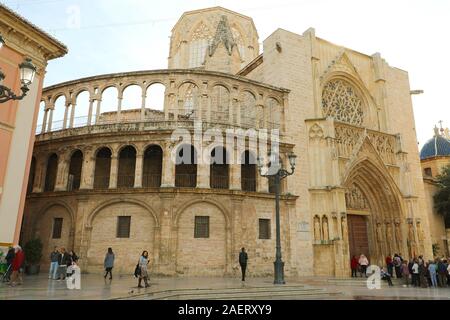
[354,266]
[17,264]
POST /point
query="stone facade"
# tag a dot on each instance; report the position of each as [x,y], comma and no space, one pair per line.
[336,109]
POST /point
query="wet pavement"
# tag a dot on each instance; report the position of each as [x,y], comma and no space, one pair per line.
[95,287]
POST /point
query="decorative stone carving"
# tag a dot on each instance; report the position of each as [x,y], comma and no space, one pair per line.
[341,101]
[379,232]
[317,233]
[316,132]
[224,35]
[325,229]
[354,199]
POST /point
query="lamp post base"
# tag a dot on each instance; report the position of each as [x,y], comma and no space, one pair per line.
[279,272]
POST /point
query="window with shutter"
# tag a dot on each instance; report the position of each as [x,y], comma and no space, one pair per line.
[201,229]
[264,228]
[123,226]
[57,228]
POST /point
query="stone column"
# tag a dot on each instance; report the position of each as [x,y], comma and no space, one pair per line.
[44,121]
[203,175]
[235,176]
[72,115]
[262,183]
[82,232]
[91,107]
[138,170]
[97,112]
[50,120]
[66,113]
[87,170]
[167,252]
[168,168]
[144,96]
[63,171]
[39,177]
[119,107]
[114,171]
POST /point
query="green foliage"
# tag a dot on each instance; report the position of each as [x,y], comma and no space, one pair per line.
[442,197]
[33,251]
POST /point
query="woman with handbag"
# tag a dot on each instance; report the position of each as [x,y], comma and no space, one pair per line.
[143,270]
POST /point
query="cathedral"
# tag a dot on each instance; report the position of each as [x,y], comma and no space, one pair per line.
[108,179]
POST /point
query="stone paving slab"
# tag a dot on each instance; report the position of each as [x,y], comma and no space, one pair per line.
[94,287]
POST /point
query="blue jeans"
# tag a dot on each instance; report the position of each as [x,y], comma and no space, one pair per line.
[53,270]
[433,279]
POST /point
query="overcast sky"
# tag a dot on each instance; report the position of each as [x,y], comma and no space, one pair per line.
[106,36]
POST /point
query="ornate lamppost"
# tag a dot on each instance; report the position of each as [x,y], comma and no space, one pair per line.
[277,172]
[27,73]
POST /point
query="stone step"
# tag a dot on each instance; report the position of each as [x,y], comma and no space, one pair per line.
[360,282]
[233,293]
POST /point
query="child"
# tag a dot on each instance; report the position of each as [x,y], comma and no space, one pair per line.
[74,279]
[386,276]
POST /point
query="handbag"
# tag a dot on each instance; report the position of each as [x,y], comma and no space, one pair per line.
[137,271]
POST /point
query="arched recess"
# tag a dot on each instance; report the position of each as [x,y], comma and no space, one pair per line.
[385,209]
[102,171]
[212,251]
[51,172]
[248,171]
[200,38]
[220,169]
[127,167]
[54,226]
[220,104]
[102,233]
[75,167]
[132,100]
[152,171]
[58,113]
[31,175]
[109,105]
[248,109]
[186,166]
[187,100]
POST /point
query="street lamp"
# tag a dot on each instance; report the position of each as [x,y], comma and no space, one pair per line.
[278,175]
[27,73]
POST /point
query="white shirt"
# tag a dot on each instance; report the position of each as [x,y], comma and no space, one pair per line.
[415,268]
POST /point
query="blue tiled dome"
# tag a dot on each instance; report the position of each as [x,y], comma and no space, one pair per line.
[437,146]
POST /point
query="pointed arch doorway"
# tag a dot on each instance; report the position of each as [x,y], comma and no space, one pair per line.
[374,212]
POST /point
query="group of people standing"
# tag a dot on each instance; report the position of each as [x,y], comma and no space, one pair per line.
[416,272]
[61,263]
[15,261]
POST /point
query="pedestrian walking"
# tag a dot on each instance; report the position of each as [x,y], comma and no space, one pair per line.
[405,273]
[9,260]
[109,263]
[243,259]
[397,262]
[389,264]
[354,266]
[143,269]
[54,263]
[432,269]
[363,262]
[17,266]
[415,273]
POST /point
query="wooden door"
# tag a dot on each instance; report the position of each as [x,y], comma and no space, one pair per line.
[357,236]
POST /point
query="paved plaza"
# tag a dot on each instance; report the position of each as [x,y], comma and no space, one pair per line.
[94,287]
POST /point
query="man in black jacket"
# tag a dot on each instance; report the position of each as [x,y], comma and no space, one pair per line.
[243,257]
[9,259]
[63,261]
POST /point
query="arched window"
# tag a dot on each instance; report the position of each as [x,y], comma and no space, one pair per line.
[199,46]
[248,171]
[186,167]
[219,176]
[109,106]
[58,114]
[155,97]
[31,175]
[153,158]
[248,110]
[131,103]
[127,166]
[52,171]
[81,111]
[220,102]
[342,101]
[76,163]
[274,113]
[102,169]
[187,101]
